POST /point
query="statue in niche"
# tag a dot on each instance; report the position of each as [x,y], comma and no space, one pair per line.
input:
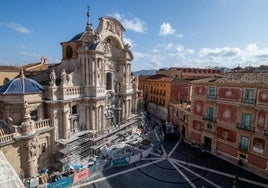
[107,46]
[75,126]
[52,78]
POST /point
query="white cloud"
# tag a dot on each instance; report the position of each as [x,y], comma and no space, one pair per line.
[179,35]
[191,51]
[117,16]
[181,56]
[180,48]
[219,52]
[22,47]
[31,57]
[128,41]
[169,46]
[155,63]
[155,50]
[134,24]
[16,27]
[166,29]
[251,47]
[138,55]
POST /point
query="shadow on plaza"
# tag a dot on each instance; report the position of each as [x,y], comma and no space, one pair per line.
[163,176]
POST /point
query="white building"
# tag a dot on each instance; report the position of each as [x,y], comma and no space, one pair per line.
[86,100]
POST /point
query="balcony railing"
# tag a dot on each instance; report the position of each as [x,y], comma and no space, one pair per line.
[249,100]
[7,138]
[243,147]
[245,127]
[211,96]
[42,124]
[208,118]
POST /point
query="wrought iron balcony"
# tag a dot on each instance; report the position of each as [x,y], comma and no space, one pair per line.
[249,100]
[243,147]
[211,96]
[245,127]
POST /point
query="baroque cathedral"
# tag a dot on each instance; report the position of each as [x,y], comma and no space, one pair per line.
[65,114]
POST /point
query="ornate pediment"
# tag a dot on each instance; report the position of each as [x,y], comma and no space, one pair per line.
[90,37]
[112,26]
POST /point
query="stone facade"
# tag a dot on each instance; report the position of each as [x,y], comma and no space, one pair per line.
[87,99]
[8,73]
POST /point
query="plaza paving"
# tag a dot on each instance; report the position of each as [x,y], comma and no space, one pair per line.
[177,164]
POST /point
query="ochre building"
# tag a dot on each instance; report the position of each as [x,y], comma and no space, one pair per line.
[8,73]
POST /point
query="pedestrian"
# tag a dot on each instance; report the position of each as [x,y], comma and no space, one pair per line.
[235,181]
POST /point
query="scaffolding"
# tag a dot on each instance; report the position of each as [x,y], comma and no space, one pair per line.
[83,145]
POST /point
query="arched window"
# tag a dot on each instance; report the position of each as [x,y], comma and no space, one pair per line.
[108,81]
[69,52]
[6,80]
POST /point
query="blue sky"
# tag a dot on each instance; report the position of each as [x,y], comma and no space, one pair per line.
[181,33]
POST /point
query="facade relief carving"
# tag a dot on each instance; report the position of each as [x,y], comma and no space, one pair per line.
[113,27]
[108,47]
[90,37]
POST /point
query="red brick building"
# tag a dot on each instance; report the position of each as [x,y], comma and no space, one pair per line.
[179,91]
[229,115]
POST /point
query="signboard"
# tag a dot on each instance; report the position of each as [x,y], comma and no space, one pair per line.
[81,175]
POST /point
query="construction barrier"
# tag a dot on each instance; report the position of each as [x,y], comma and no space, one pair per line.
[118,162]
[63,183]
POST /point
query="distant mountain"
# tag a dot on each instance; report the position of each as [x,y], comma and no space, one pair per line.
[145,72]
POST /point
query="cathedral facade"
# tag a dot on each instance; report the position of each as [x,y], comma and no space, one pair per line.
[79,105]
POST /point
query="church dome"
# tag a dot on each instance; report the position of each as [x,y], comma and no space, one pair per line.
[21,85]
[77,37]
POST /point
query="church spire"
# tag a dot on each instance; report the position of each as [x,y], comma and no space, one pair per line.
[89,24]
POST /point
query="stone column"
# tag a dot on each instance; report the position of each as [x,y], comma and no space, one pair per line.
[87,123]
[86,76]
[123,110]
[90,75]
[65,124]
[93,62]
[91,118]
[126,108]
[96,118]
[100,118]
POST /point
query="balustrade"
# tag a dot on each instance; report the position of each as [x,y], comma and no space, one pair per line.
[42,124]
[7,138]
